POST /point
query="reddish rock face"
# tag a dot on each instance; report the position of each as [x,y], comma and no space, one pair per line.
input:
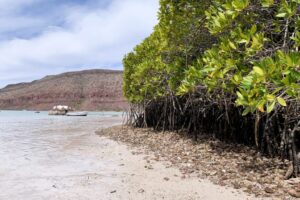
[91,90]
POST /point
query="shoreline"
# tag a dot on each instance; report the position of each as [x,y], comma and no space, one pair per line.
[226,165]
[145,178]
[42,110]
[65,159]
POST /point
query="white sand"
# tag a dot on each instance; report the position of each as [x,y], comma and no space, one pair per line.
[83,166]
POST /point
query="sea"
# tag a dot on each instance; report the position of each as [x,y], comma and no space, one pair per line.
[39,152]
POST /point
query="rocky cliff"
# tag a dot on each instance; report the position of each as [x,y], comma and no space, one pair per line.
[84,90]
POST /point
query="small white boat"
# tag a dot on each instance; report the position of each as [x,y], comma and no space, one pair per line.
[79,114]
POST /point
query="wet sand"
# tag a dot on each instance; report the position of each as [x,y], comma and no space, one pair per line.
[75,163]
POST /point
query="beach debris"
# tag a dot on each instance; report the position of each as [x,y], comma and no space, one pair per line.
[113,191]
[166,179]
[149,166]
[141,190]
[269,190]
[225,164]
[294,193]
[289,172]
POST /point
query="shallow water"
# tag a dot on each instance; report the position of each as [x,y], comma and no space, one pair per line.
[61,158]
[41,153]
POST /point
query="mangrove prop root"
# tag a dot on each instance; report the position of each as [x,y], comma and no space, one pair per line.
[275,134]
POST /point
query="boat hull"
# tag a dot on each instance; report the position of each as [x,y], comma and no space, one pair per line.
[77,114]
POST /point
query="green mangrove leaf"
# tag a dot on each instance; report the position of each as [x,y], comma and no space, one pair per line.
[258,71]
[281,101]
[270,107]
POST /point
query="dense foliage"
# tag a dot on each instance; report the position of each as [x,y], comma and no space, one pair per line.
[230,68]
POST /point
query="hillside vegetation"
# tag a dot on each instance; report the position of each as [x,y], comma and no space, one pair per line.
[225,68]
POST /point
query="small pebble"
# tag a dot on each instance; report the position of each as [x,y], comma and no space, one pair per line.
[141,190]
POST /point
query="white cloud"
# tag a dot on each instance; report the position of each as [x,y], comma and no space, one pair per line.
[90,37]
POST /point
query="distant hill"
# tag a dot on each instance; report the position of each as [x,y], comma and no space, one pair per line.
[92,90]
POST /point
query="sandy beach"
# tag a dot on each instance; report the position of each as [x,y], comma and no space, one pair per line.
[225,164]
[141,178]
[75,163]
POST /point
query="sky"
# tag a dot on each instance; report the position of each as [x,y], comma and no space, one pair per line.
[45,37]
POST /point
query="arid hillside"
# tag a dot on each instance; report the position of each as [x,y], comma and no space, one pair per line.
[85,90]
